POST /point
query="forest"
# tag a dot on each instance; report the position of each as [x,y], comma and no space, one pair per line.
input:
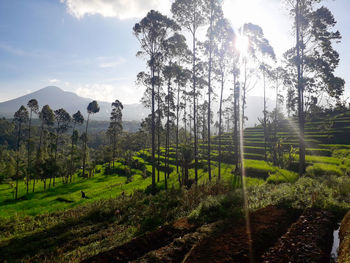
[193,182]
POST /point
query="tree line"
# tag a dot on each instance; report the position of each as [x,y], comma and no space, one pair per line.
[182,82]
[50,152]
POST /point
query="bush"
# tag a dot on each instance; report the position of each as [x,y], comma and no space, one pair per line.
[119,169]
[319,169]
[282,176]
[215,208]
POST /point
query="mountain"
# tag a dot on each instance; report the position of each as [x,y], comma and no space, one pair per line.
[58,98]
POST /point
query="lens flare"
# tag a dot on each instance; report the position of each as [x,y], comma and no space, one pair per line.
[242,45]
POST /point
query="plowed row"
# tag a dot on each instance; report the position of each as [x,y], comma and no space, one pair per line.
[274,238]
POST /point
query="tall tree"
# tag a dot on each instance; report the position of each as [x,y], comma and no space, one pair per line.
[115,125]
[175,48]
[77,119]
[181,79]
[313,60]
[47,118]
[63,120]
[20,118]
[190,14]
[214,13]
[34,108]
[151,32]
[234,58]
[224,36]
[258,47]
[92,108]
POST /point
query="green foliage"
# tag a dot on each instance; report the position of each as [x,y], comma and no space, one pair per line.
[282,176]
[319,169]
[326,192]
[218,207]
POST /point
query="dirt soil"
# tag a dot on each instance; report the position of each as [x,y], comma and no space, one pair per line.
[139,246]
[230,244]
[309,239]
[176,251]
[344,235]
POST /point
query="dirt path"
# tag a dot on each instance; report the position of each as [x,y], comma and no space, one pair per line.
[308,240]
[139,246]
[176,251]
[231,243]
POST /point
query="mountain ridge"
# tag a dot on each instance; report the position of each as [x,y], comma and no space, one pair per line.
[56,98]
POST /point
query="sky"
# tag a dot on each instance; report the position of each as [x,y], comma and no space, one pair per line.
[87,46]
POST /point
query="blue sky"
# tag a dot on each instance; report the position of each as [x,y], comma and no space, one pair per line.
[87,46]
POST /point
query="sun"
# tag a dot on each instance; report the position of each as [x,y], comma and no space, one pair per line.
[242,45]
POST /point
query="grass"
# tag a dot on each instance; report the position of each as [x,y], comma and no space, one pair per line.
[75,234]
[282,176]
[99,187]
[320,169]
[65,196]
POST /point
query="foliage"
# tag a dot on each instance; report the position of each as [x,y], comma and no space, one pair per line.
[319,169]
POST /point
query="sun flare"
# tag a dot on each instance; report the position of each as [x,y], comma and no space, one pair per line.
[242,44]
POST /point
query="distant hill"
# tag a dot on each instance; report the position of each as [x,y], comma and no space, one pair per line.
[58,98]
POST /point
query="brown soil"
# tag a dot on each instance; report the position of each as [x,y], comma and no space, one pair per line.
[309,239]
[177,250]
[141,245]
[230,244]
[344,235]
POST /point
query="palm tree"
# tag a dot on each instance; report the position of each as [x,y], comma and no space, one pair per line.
[92,108]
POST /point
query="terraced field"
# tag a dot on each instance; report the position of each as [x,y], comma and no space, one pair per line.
[326,137]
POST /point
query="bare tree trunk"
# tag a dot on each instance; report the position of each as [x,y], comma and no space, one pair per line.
[166,174]
[177,127]
[17,158]
[300,94]
[194,110]
[28,150]
[39,148]
[153,130]
[235,129]
[158,127]
[56,149]
[71,155]
[220,123]
[85,144]
[209,88]
[265,117]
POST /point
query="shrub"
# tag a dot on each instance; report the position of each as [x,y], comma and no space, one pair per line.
[319,169]
[341,153]
[282,176]
[215,208]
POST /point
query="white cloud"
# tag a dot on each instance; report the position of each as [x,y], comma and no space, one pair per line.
[108,92]
[53,80]
[122,9]
[110,62]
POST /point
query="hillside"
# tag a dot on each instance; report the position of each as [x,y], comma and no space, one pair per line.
[58,98]
[118,200]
